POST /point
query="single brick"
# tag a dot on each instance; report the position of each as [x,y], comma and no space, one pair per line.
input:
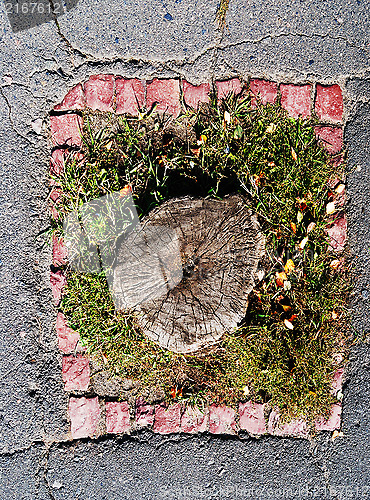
[296,99]
[58,282]
[84,414]
[224,87]
[117,417]
[166,93]
[60,252]
[294,428]
[252,418]
[167,419]
[333,422]
[194,94]
[99,92]
[54,200]
[76,373]
[331,138]
[66,130]
[74,99]
[68,339]
[194,420]
[57,161]
[267,91]
[329,103]
[222,420]
[130,96]
[337,233]
[337,381]
[144,413]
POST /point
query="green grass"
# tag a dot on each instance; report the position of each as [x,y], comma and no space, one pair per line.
[276,162]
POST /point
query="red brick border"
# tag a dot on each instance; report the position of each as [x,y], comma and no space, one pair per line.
[109,93]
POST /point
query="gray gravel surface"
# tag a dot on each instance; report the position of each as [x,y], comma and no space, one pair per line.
[289,41]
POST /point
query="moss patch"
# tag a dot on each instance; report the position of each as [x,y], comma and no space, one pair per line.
[297,314]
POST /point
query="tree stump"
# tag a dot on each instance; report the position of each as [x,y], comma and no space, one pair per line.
[208,251]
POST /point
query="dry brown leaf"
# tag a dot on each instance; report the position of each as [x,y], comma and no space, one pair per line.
[287,285]
[294,155]
[294,227]
[337,434]
[288,324]
[280,278]
[271,128]
[303,243]
[330,208]
[311,227]
[195,151]
[335,264]
[339,189]
[289,266]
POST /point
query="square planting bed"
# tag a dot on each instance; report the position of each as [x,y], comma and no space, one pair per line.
[94,408]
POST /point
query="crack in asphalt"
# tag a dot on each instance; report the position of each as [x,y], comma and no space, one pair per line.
[9,107]
[294,35]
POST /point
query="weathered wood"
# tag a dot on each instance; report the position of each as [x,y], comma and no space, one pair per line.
[219,244]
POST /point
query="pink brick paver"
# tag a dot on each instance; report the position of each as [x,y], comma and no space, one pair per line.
[166,93]
[99,92]
[337,233]
[294,428]
[74,99]
[222,420]
[117,417]
[76,373]
[267,91]
[144,413]
[194,94]
[252,418]
[333,422]
[296,99]
[68,339]
[194,420]
[60,251]
[66,130]
[167,419]
[54,200]
[57,162]
[84,414]
[58,282]
[331,138]
[329,103]
[224,87]
[337,381]
[130,96]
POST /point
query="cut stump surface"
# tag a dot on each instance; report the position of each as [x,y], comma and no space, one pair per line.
[205,252]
